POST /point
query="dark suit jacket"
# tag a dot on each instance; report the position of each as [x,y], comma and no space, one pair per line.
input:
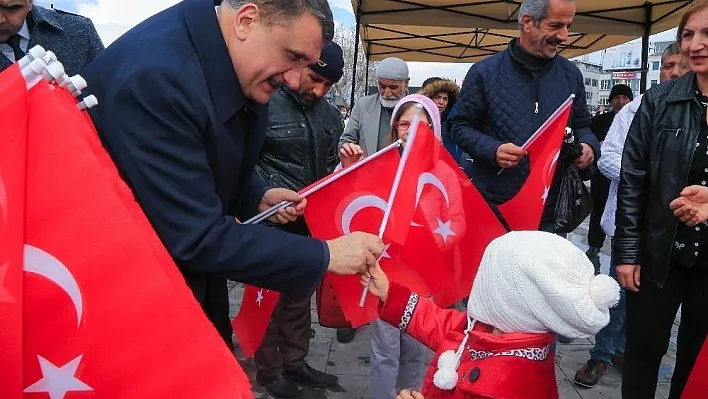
[174,119]
[71,37]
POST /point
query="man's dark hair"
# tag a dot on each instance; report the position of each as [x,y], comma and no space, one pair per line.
[285,10]
[673,49]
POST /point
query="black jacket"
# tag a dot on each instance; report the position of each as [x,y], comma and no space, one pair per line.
[655,164]
[300,145]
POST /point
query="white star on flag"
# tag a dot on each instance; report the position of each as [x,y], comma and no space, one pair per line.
[544,197]
[259,297]
[444,230]
[57,381]
[5,295]
[385,254]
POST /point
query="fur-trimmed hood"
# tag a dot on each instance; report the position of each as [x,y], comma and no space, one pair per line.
[446,85]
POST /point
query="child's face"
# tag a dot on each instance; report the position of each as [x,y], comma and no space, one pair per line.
[404,122]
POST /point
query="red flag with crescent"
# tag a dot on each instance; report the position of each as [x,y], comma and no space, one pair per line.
[524,210]
[354,202]
[106,311]
[450,230]
[13,136]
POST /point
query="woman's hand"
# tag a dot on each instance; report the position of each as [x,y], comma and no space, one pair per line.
[692,206]
[376,280]
[350,153]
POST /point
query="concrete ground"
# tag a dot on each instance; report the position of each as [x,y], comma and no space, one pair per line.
[351,361]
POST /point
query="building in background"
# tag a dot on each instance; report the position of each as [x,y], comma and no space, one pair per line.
[620,65]
[592,75]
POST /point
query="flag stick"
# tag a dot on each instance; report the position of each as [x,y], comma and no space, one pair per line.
[396,182]
[324,183]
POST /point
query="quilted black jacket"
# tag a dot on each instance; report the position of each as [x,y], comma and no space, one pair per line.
[500,103]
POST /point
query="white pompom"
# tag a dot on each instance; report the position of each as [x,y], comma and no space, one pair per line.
[445,378]
[604,291]
[448,360]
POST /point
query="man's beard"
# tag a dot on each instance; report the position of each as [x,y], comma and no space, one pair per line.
[388,102]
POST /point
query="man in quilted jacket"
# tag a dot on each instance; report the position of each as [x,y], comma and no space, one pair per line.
[507,97]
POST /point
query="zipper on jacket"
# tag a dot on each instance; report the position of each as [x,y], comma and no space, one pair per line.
[536,107]
[686,170]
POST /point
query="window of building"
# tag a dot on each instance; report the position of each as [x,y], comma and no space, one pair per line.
[604,84]
[654,82]
[587,81]
[655,65]
[594,83]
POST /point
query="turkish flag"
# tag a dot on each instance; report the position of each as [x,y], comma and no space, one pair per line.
[697,384]
[251,322]
[450,230]
[524,210]
[13,135]
[106,312]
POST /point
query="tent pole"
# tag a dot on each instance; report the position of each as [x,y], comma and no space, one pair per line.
[645,47]
[357,18]
[367,54]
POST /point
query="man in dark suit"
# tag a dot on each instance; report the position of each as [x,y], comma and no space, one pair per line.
[183,115]
[71,37]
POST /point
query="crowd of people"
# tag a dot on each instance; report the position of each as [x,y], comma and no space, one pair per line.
[208,129]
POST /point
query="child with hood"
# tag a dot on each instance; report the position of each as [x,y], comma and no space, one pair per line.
[529,286]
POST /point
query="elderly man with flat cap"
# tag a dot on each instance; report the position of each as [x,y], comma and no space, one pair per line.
[300,148]
[370,124]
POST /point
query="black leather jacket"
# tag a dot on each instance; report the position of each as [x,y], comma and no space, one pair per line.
[655,164]
[301,143]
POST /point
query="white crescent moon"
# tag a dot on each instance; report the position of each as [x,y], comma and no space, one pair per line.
[429,178]
[44,264]
[548,178]
[359,203]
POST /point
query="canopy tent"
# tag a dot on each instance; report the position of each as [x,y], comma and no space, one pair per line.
[468,31]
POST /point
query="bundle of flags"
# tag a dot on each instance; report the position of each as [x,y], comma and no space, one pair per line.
[438,228]
[91,304]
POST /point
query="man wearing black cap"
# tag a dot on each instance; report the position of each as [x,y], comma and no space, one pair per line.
[299,149]
[620,95]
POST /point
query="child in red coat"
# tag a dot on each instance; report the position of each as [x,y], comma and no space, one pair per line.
[530,285]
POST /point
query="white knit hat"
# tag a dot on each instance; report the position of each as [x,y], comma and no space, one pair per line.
[535,282]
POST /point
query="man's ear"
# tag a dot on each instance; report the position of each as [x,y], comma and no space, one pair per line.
[527,23]
[245,19]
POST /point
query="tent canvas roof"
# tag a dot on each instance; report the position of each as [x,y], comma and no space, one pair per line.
[467,31]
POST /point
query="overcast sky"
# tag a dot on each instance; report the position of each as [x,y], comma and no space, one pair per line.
[113,17]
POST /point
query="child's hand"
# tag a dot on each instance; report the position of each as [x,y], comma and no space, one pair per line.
[349,154]
[377,281]
[406,394]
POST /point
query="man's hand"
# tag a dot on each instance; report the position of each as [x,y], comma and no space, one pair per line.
[274,196]
[692,206]
[406,394]
[350,153]
[586,158]
[353,253]
[509,155]
[628,276]
[376,280]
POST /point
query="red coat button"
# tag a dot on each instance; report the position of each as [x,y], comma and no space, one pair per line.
[474,374]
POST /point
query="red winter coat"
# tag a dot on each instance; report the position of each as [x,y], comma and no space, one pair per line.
[507,366]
